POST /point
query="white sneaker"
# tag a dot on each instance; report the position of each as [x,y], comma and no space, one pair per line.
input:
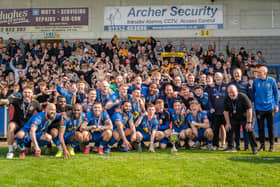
[10,155]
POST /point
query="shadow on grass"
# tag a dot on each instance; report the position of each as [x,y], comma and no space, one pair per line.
[256,159]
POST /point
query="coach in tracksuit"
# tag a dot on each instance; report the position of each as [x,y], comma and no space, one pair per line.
[216,104]
[265,94]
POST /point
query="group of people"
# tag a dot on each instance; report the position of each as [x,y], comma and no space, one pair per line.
[93,97]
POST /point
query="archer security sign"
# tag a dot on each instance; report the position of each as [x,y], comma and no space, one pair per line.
[131,18]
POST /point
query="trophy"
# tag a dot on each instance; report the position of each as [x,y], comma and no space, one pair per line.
[173,139]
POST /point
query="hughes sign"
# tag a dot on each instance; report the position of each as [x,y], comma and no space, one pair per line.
[43,19]
[163,17]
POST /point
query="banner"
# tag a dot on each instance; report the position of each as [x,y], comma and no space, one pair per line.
[137,18]
[44,19]
[173,54]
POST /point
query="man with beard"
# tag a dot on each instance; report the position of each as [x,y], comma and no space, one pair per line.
[69,131]
[53,129]
[35,130]
[123,127]
[152,94]
[23,110]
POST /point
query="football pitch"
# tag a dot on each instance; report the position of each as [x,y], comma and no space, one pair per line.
[186,168]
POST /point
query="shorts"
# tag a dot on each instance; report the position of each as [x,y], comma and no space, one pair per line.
[96,136]
[55,124]
[67,137]
[19,125]
[146,137]
[200,133]
[27,138]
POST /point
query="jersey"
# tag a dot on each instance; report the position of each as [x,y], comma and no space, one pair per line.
[72,124]
[136,109]
[178,121]
[97,120]
[104,98]
[147,126]
[121,118]
[39,122]
[199,118]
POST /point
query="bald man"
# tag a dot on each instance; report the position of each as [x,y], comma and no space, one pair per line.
[238,111]
[265,97]
[35,130]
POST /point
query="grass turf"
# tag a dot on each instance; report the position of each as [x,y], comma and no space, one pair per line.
[187,168]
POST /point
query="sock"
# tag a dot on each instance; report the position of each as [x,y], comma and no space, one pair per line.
[60,147]
[86,144]
[74,143]
[11,148]
[103,143]
[20,142]
[112,142]
[56,140]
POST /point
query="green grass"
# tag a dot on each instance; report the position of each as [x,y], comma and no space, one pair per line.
[187,168]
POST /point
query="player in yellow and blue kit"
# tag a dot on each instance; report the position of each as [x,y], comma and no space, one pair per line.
[199,124]
[99,129]
[179,121]
[35,130]
[146,127]
[69,131]
[123,128]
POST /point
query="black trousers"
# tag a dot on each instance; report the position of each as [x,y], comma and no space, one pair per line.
[235,127]
[218,120]
[269,116]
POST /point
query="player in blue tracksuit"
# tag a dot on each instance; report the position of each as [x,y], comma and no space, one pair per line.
[35,130]
[199,124]
[146,128]
[163,117]
[179,121]
[99,127]
[265,97]
[69,131]
[123,127]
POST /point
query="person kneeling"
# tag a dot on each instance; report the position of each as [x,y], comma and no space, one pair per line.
[146,127]
[200,125]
